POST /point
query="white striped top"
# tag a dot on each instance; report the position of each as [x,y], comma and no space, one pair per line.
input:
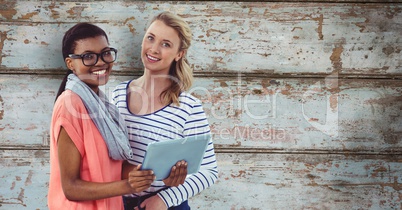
[170,122]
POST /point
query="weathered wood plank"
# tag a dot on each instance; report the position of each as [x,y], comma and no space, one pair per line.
[260,113]
[24,178]
[294,114]
[261,181]
[26,104]
[299,95]
[279,38]
[246,181]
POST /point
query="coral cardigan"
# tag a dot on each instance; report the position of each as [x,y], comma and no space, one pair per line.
[96,166]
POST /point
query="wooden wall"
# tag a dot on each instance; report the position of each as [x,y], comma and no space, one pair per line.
[304,97]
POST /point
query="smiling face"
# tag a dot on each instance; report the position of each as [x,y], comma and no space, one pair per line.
[93,76]
[160,47]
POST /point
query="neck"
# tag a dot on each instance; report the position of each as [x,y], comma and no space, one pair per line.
[155,83]
[94,88]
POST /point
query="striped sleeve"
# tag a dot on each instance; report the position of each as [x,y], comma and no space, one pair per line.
[196,124]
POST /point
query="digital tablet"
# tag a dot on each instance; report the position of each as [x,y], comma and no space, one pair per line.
[162,156]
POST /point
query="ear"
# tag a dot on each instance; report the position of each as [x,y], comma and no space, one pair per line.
[69,63]
[180,55]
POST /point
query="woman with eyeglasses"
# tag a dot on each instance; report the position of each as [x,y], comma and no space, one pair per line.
[157,107]
[88,141]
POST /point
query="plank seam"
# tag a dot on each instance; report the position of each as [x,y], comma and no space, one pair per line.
[212,74]
[387,152]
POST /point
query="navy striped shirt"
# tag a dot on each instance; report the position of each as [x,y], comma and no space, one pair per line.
[170,122]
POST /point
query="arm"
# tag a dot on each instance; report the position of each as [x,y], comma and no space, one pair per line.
[77,189]
[196,123]
[194,184]
[127,167]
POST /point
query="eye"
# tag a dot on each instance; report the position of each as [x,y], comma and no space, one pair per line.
[107,53]
[165,44]
[89,56]
[150,37]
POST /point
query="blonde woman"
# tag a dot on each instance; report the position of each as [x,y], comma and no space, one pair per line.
[156,107]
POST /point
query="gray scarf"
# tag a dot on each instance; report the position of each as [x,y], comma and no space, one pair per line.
[106,118]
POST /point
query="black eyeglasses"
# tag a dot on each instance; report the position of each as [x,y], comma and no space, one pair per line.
[90,59]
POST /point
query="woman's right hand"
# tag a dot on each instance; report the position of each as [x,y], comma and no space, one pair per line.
[177,175]
[140,180]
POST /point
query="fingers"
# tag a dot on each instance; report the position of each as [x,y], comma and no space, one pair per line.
[144,203]
[177,175]
[180,172]
[139,186]
[140,180]
[138,172]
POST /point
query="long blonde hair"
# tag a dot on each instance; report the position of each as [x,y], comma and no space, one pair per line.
[180,71]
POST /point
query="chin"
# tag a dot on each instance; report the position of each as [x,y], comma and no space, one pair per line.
[101,79]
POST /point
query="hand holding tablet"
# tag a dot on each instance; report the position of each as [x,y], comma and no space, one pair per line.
[177,174]
[162,156]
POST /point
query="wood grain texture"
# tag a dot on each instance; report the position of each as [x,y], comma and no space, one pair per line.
[330,115]
[304,98]
[279,38]
[246,181]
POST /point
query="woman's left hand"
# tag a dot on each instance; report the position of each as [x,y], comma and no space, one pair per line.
[153,203]
[177,174]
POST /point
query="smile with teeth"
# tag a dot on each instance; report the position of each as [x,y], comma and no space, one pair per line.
[99,72]
[152,58]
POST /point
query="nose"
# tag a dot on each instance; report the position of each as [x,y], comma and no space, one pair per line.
[154,48]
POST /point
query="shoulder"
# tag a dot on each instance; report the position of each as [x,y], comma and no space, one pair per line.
[68,96]
[120,90]
[122,86]
[186,98]
[69,103]
[190,103]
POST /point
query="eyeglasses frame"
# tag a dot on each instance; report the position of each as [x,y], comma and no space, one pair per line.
[98,55]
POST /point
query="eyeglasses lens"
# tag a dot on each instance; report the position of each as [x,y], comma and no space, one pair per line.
[109,56]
